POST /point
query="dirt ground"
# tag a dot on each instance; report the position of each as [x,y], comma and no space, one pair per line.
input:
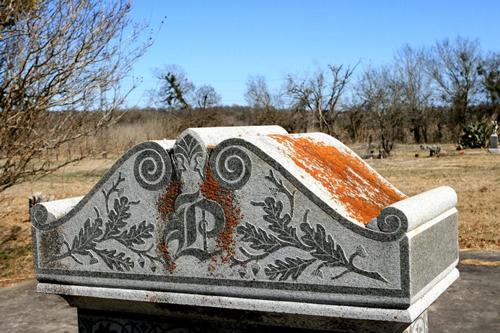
[474,174]
[15,227]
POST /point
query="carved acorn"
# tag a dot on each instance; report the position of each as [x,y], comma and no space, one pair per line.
[255,268]
[141,262]
[243,272]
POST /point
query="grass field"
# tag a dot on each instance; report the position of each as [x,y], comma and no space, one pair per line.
[474,174]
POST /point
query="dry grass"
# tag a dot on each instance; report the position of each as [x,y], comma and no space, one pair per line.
[474,174]
[15,228]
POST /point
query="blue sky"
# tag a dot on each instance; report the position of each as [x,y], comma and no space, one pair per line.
[223,43]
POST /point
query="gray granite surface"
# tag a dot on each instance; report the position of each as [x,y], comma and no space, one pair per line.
[234,212]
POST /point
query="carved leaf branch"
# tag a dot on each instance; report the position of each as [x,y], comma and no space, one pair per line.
[291,267]
[323,245]
[280,187]
[258,238]
[279,224]
[86,239]
[115,260]
[315,241]
[117,217]
[136,234]
[114,188]
[93,234]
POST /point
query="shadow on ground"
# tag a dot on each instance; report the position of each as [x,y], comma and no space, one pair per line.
[470,305]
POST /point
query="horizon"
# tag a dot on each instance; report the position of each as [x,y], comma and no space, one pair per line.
[223,44]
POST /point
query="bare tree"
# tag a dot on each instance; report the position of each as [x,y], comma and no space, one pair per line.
[453,66]
[489,70]
[382,96]
[176,89]
[258,94]
[266,104]
[59,58]
[298,95]
[355,115]
[320,94]
[417,90]
[206,97]
[177,92]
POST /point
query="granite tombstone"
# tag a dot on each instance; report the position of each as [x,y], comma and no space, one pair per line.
[494,140]
[244,229]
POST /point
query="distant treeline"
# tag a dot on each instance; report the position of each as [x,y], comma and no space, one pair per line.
[353,125]
[443,93]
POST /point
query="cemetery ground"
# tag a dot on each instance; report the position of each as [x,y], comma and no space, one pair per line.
[474,174]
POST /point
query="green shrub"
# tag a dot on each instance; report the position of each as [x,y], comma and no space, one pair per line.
[475,135]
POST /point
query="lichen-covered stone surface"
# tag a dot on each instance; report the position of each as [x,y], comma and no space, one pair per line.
[250,212]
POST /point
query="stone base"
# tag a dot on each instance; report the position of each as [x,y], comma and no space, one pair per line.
[102,309]
[494,150]
[92,321]
[276,313]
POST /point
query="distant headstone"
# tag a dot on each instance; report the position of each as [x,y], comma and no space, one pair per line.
[247,229]
[494,140]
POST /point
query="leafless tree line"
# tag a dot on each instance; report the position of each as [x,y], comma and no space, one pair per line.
[429,94]
[435,89]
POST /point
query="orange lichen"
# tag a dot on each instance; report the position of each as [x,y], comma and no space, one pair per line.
[212,265]
[166,201]
[170,264]
[344,175]
[211,190]
[165,206]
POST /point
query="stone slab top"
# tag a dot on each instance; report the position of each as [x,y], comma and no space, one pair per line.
[325,165]
[335,172]
[328,167]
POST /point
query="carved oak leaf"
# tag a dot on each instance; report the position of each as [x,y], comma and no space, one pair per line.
[115,261]
[279,224]
[86,239]
[291,267]
[258,238]
[136,234]
[117,217]
[323,245]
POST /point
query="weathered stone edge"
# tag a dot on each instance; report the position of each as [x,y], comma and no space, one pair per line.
[333,311]
[423,207]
